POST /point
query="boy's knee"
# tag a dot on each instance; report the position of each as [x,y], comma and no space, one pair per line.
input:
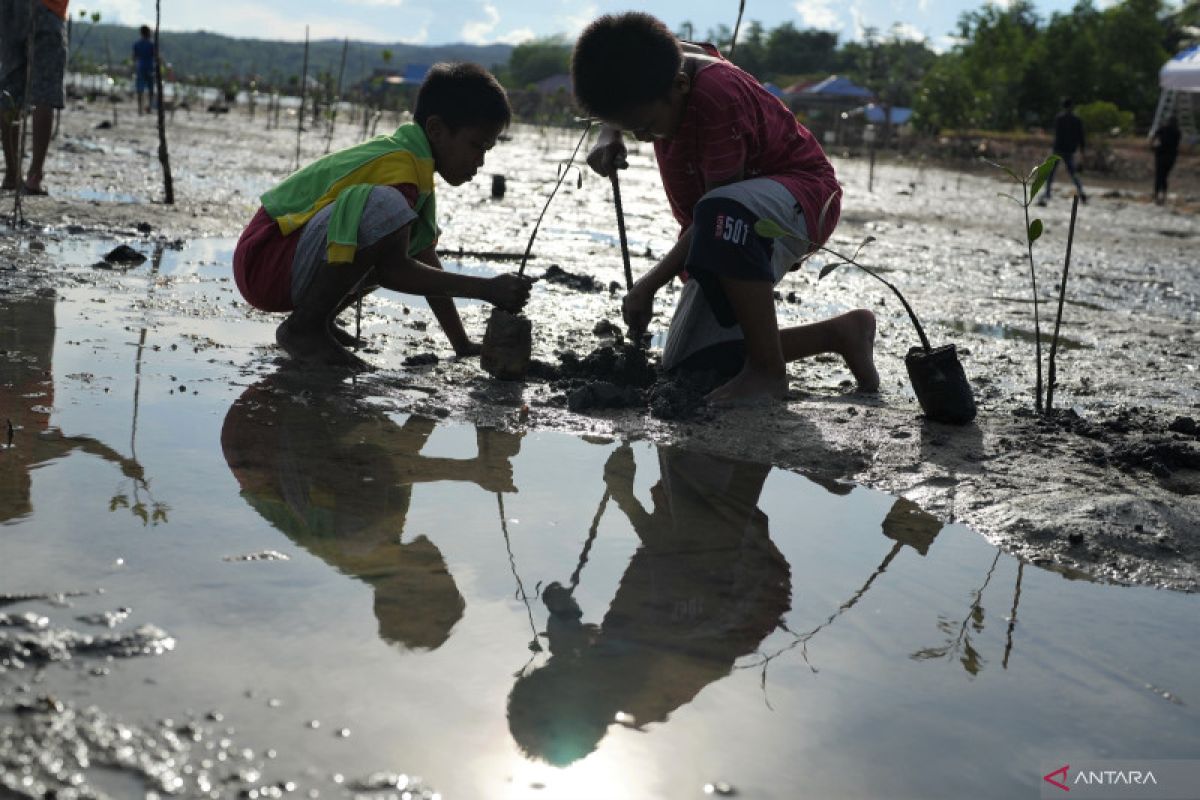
[724,241]
[726,247]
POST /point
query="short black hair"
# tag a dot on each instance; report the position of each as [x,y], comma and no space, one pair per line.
[1067,102]
[463,95]
[622,61]
[145,30]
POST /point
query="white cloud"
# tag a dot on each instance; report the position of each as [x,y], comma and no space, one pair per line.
[482,31]
[240,19]
[860,25]
[477,31]
[121,12]
[573,23]
[904,31]
[818,14]
[374,2]
[945,44]
[519,36]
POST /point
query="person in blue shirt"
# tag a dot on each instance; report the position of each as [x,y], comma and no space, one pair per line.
[143,62]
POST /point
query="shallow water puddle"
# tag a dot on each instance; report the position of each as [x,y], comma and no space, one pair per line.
[359,600]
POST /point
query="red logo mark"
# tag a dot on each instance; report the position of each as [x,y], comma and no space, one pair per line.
[720,225]
[1062,772]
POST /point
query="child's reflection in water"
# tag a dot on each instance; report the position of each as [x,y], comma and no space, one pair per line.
[335,475]
[27,439]
[704,588]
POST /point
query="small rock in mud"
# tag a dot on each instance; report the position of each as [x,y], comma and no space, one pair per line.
[421,360]
[605,328]
[124,254]
[1185,425]
[580,283]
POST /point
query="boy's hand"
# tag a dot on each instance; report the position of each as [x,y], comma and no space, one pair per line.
[608,153]
[508,291]
[637,308]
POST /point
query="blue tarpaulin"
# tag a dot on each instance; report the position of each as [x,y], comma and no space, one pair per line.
[833,86]
[874,114]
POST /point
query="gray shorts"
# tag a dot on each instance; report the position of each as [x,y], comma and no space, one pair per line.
[49,55]
[385,212]
[695,325]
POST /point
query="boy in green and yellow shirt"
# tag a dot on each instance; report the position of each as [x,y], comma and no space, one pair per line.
[365,217]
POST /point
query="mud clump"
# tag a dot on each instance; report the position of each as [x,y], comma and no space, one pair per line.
[681,396]
[421,360]
[1134,439]
[604,394]
[618,375]
[124,254]
[613,375]
[580,283]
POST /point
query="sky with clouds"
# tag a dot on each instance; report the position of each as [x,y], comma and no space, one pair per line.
[515,21]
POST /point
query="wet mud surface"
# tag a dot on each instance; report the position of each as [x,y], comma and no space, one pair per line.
[1108,487]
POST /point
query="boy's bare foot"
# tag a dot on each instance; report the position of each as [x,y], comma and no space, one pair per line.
[317,347]
[860,348]
[749,387]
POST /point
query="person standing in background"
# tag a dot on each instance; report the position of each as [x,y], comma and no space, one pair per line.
[1165,142]
[143,64]
[1068,137]
[46,22]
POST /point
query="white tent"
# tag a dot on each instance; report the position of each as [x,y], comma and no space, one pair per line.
[1182,73]
[1179,79]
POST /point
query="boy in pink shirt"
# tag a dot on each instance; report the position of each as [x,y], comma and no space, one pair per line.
[729,154]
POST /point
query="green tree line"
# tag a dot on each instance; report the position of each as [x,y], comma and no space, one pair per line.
[1009,69]
[212,59]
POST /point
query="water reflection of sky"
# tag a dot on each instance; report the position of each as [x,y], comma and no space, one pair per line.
[737,623]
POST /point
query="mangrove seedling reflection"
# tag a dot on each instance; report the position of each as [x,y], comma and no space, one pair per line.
[27,401]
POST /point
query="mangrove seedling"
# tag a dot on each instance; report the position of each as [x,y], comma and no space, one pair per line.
[508,340]
[936,374]
[1031,184]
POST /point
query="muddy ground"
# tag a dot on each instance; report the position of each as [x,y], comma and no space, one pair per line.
[1107,488]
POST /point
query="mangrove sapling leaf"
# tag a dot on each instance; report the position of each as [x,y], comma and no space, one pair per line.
[1035,230]
[1011,174]
[1040,174]
[772,230]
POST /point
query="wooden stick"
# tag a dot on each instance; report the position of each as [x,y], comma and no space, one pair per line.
[303,86]
[163,156]
[616,187]
[1052,372]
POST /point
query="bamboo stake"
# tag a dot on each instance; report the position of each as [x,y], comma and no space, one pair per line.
[1052,373]
[303,86]
[337,97]
[163,156]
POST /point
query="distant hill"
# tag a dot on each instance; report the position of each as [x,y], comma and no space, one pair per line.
[212,58]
